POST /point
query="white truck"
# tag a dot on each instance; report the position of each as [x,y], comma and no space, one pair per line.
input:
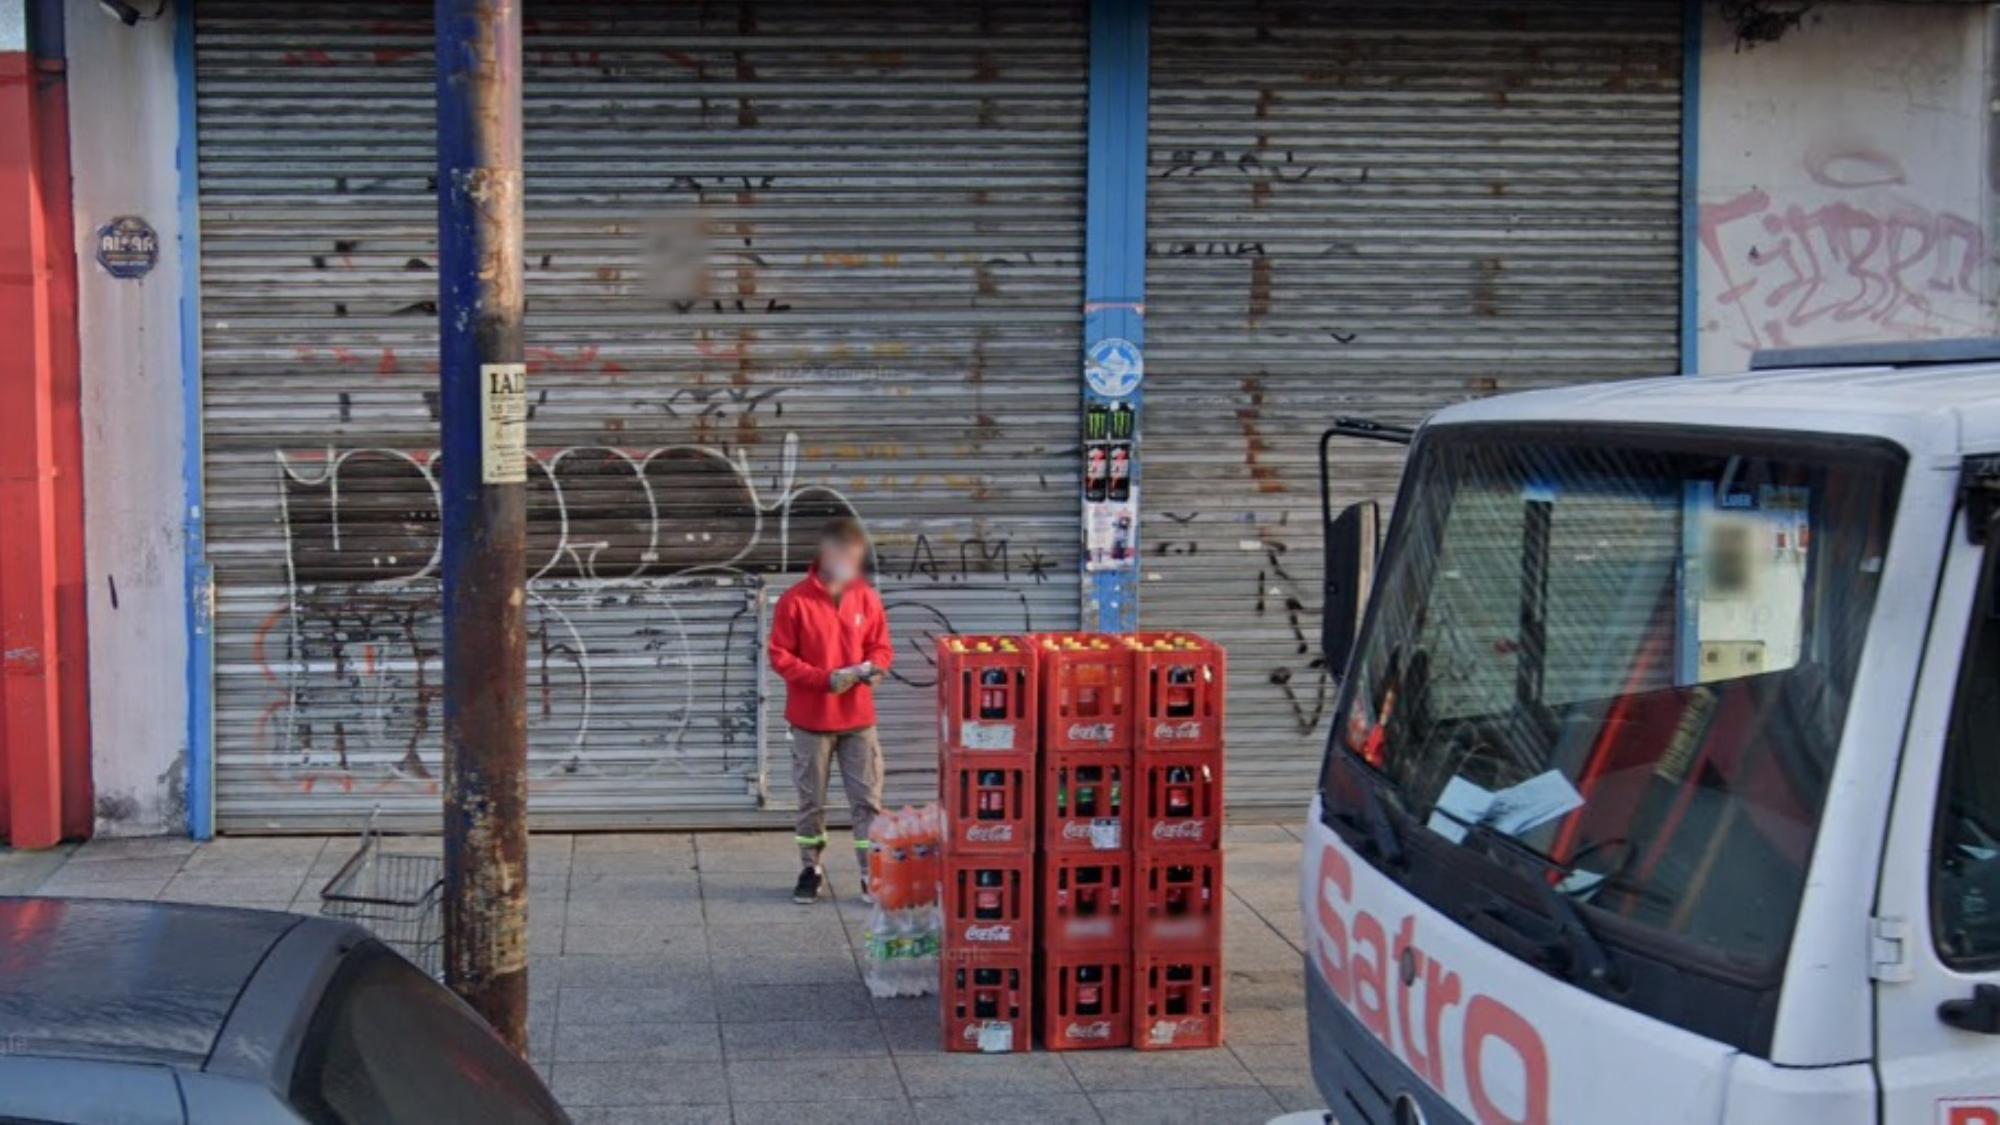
[1664,784]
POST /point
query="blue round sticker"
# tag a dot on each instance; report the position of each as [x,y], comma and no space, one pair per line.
[1113,367]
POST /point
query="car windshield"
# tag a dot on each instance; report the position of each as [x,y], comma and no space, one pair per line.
[390,1044]
[1628,659]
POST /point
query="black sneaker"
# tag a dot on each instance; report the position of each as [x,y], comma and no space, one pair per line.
[809,884]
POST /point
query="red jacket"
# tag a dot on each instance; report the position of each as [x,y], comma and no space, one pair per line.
[812,636]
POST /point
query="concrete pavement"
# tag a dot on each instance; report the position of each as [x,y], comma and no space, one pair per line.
[673,980]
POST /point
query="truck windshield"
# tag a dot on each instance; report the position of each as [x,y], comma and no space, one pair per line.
[1629,659]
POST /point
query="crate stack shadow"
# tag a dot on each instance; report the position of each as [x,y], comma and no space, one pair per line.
[1081,782]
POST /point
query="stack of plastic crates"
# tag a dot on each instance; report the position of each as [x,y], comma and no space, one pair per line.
[1177,826]
[986,764]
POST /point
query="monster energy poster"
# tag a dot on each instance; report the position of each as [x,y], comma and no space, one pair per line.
[1110,499]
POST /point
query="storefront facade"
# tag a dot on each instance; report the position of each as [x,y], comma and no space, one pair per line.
[1359,210]
[788,260]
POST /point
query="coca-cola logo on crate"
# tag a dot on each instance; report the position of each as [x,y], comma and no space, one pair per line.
[989,834]
[993,932]
[1186,731]
[1179,829]
[1090,732]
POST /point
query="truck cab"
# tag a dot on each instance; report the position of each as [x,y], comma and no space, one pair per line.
[1664,780]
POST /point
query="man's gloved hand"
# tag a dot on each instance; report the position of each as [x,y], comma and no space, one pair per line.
[843,679]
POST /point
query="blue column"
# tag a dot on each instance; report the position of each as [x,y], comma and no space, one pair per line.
[1114,312]
[198,577]
[1687,610]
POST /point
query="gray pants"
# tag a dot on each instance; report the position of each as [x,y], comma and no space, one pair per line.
[860,755]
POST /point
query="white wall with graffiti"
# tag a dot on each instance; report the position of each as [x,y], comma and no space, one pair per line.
[1844,195]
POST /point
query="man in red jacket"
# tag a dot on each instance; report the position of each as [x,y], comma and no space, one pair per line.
[830,643]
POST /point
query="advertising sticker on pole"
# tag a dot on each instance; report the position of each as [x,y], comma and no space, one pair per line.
[503,407]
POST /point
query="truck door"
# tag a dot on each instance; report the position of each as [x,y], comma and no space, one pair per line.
[1937,930]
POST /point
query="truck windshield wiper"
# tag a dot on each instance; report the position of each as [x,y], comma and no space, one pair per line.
[1585,958]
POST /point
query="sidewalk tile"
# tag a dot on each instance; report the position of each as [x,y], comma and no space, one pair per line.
[811,931]
[1268,989]
[1277,1066]
[1249,1106]
[1158,1070]
[767,906]
[22,872]
[644,1083]
[691,1001]
[676,910]
[670,938]
[833,964]
[912,1026]
[804,1039]
[144,890]
[1267,1027]
[636,1042]
[639,845]
[634,885]
[769,852]
[822,1081]
[82,874]
[267,892]
[666,969]
[941,1075]
[764,1003]
[1028,1109]
[255,857]
[114,848]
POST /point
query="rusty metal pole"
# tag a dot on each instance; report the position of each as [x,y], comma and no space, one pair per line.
[483,399]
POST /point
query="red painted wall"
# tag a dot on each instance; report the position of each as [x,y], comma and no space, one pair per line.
[45,791]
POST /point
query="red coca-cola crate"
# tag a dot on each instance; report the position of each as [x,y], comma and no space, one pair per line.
[1176,802]
[1085,1000]
[1181,681]
[1086,802]
[989,807]
[988,1001]
[1086,690]
[1177,1001]
[986,696]
[1177,901]
[988,903]
[1086,902]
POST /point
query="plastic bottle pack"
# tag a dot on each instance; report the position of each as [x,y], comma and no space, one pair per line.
[904,926]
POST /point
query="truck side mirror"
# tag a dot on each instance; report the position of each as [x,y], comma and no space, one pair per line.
[1352,541]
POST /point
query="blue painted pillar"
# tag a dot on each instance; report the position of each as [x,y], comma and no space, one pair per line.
[1114,312]
[199,575]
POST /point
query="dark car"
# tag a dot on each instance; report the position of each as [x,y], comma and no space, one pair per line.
[145,1013]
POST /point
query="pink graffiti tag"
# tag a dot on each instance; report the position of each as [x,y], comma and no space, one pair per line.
[1845,267]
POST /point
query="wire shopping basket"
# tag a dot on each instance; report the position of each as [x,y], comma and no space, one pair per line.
[397,896]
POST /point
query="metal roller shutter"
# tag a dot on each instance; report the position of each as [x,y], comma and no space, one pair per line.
[1375,209]
[893,198]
